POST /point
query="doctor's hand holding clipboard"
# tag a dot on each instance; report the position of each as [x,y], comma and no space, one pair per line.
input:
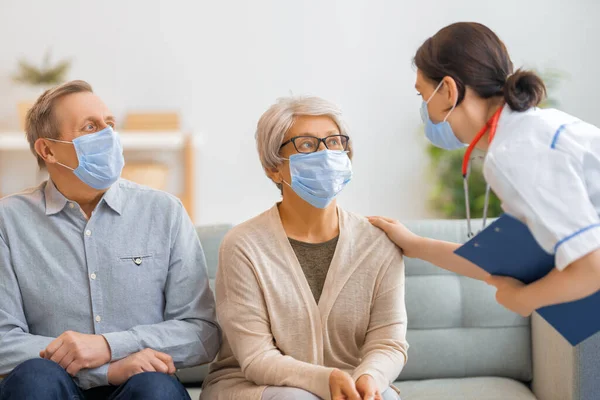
[544,165]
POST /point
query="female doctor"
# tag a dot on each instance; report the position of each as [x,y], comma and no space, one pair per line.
[543,164]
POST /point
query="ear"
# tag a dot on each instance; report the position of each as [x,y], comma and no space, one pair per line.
[275,175]
[450,91]
[44,151]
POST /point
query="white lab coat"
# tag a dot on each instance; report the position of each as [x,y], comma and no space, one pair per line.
[545,167]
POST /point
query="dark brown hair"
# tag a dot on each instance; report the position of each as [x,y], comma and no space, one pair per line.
[40,121]
[475,57]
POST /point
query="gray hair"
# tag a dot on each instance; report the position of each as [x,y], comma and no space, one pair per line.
[279,118]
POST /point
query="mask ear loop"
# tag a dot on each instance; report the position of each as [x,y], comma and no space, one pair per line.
[450,112]
[58,141]
[66,166]
[435,91]
[62,141]
[452,109]
[433,94]
[283,180]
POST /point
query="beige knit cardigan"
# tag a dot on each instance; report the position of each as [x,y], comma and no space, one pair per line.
[275,334]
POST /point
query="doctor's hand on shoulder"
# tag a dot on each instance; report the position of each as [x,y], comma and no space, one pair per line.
[408,241]
[437,252]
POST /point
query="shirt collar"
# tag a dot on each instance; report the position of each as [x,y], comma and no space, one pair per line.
[113,198]
[56,202]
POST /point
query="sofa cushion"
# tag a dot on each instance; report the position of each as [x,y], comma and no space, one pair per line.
[210,237]
[193,376]
[484,388]
[453,389]
[468,352]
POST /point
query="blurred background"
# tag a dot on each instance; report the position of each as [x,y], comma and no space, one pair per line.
[188,81]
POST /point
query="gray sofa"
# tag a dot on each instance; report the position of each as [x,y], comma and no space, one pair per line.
[463,345]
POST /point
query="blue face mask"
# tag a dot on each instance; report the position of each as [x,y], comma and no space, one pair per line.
[320,176]
[100,157]
[440,135]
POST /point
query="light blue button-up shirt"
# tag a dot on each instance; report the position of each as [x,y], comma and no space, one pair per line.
[134,272]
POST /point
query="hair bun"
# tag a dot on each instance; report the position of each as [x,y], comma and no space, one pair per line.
[524,90]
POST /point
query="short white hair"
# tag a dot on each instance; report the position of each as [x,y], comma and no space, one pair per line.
[279,118]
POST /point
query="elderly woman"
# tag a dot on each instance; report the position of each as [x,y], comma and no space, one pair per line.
[310,296]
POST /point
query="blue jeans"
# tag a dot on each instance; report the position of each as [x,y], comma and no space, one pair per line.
[45,380]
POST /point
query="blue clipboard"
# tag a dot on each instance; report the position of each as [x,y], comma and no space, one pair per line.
[507,247]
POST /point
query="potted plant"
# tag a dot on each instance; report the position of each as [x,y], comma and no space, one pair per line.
[447,196]
[39,78]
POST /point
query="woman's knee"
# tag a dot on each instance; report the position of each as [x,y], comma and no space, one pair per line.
[287,393]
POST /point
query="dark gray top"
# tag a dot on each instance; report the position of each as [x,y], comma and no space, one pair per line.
[315,258]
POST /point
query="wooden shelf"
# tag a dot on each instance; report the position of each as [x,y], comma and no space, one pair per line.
[13,141]
[131,140]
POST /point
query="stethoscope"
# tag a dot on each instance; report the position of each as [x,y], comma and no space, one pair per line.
[491,125]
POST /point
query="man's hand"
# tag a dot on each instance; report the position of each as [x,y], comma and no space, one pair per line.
[367,389]
[76,351]
[342,386]
[147,360]
[510,294]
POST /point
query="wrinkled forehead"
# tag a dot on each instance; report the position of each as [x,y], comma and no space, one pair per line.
[317,126]
[74,109]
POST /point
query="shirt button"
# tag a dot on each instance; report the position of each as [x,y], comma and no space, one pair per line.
[71,205]
[93,276]
[88,233]
[98,318]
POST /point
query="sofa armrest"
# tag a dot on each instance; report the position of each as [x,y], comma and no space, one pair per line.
[561,371]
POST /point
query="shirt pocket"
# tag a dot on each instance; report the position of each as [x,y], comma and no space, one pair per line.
[137,259]
[140,275]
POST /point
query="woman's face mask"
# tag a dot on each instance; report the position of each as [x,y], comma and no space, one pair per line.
[440,134]
[319,167]
[319,177]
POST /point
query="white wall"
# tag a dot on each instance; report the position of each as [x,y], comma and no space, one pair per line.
[222,63]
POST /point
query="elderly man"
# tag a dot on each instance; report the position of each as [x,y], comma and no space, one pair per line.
[103,283]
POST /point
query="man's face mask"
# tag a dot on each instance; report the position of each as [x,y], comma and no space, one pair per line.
[100,157]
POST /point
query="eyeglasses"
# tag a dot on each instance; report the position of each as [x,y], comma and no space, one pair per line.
[310,144]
